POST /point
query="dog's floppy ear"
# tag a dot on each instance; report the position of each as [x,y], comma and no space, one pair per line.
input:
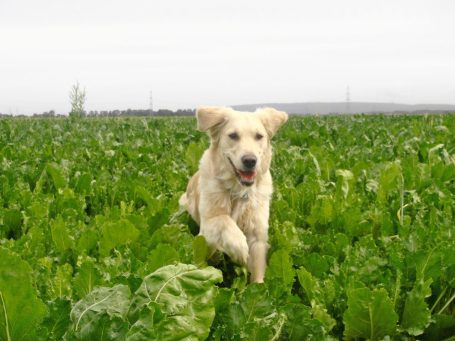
[210,117]
[272,119]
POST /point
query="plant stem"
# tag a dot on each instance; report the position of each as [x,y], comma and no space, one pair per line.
[446,305]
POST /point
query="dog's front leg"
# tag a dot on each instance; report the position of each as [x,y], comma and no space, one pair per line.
[222,233]
[257,260]
[257,237]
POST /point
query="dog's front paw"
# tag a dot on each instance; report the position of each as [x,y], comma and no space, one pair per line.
[235,246]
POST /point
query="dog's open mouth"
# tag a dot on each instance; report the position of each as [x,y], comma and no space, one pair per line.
[246,178]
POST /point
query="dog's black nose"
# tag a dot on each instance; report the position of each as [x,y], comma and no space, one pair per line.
[249,161]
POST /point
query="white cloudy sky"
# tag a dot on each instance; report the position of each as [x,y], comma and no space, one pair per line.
[224,52]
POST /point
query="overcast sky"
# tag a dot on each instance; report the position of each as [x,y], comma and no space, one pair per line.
[224,52]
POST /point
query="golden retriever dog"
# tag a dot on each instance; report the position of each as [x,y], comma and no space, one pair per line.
[229,196]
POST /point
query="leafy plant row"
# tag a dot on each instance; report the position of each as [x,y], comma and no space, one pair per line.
[92,245]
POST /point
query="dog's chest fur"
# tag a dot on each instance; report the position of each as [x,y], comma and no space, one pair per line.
[246,203]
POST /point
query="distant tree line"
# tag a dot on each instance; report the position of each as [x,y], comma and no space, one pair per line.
[143,112]
[116,113]
[78,96]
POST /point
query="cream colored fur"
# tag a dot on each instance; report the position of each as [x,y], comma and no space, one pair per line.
[233,217]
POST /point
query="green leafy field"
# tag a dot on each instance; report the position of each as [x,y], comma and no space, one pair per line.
[361,233]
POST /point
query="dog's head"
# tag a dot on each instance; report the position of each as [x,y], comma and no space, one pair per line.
[241,138]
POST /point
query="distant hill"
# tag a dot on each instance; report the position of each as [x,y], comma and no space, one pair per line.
[352,108]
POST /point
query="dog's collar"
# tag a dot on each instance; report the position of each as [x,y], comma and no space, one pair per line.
[245,196]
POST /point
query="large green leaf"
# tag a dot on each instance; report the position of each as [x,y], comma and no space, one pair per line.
[61,235]
[312,289]
[86,279]
[370,314]
[148,326]
[253,316]
[389,178]
[21,311]
[201,251]
[193,154]
[416,315]
[345,177]
[163,254]
[183,294]
[58,321]
[117,233]
[176,235]
[56,174]
[316,264]
[101,315]
[60,285]
[280,272]
[300,325]
[285,236]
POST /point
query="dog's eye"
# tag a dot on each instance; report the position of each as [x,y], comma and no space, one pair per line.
[259,136]
[234,136]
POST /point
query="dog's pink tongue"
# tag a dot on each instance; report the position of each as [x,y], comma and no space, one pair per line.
[250,175]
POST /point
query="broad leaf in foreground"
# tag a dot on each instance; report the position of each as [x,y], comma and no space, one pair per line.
[117,233]
[20,309]
[60,285]
[86,278]
[56,324]
[300,325]
[163,254]
[312,289]
[201,251]
[101,315]
[252,316]
[416,315]
[60,235]
[370,314]
[56,174]
[280,273]
[182,296]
